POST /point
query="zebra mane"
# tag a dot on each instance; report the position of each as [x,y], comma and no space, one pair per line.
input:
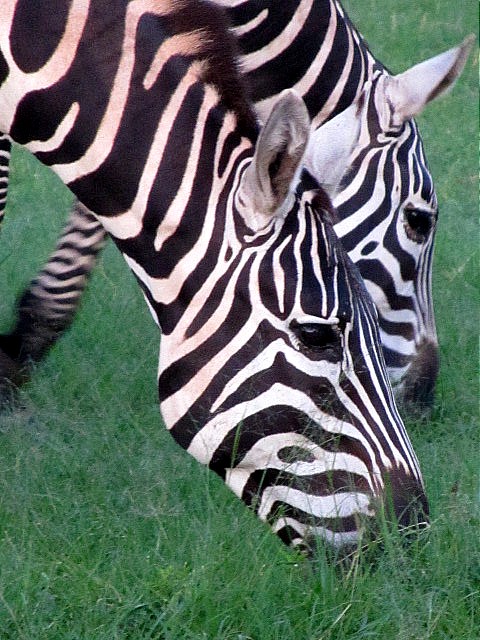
[323,204]
[217,49]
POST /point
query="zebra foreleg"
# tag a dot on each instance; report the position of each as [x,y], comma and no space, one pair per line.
[48,305]
[12,375]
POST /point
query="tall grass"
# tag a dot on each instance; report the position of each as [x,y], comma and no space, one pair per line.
[108,530]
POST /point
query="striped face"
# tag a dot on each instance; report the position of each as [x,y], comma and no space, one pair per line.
[282,366]
[388,212]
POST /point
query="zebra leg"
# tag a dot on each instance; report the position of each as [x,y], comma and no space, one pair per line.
[10,373]
[48,305]
[5,149]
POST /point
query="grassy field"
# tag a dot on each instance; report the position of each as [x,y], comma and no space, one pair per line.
[109,531]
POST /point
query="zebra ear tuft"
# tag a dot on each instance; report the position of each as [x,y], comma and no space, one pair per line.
[331,145]
[409,92]
[275,167]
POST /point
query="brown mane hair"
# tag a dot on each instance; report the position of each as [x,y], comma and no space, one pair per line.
[218,49]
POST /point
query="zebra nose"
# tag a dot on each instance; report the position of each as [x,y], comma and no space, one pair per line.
[419,382]
[405,502]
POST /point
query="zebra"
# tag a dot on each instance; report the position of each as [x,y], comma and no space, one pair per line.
[270,368]
[386,206]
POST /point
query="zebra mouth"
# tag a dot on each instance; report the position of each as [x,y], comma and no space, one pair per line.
[12,375]
[362,533]
[415,393]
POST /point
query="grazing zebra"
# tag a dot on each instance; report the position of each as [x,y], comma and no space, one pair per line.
[386,205]
[270,369]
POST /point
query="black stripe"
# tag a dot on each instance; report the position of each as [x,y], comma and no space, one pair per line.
[28,15]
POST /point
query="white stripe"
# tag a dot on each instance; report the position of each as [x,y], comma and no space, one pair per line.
[18,83]
[265,359]
[210,437]
[247,26]
[61,132]
[340,505]
[109,125]
[396,424]
[336,94]
[316,265]
[337,538]
[398,343]
[169,225]
[230,3]
[264,455]
[281,42]
[166,290]
[279,274]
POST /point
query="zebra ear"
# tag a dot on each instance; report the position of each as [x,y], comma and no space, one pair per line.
[331,145]
[269,180]
[411,91]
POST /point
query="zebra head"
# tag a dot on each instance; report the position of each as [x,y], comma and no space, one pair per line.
[387,214]
[277,381]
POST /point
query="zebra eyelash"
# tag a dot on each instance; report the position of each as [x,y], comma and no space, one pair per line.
[317,338]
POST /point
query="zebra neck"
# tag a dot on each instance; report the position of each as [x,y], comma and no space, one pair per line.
[127,118]
[312,41]
[178,242]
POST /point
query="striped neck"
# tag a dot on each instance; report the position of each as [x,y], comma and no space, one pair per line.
[155,182]
[329,77]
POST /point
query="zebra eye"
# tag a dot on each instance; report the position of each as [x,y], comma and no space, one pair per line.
[316,336]
[418,224]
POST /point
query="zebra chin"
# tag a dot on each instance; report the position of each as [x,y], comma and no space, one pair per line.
[415,393]
[408,517]
[402,508]
[356,511]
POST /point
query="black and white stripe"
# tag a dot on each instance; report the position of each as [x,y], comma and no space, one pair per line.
[270,367]
[386,204]
[5,149]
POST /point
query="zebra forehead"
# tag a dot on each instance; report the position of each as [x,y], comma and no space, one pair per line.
[400,146]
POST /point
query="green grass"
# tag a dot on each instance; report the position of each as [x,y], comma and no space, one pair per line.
[108,530]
